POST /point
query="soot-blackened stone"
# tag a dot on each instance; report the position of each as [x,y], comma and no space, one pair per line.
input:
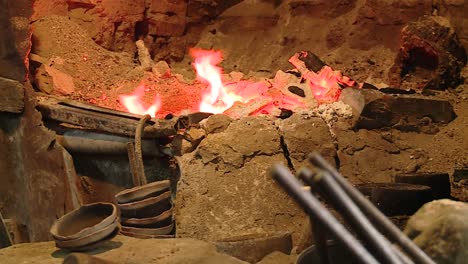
[285,113]
[311,61]
[297,91]
[430,56]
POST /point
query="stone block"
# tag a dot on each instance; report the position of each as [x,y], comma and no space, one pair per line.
[11,96]
[126,249]
[225,190]
[373,109]
[303,135]
[440,228]
[216,123]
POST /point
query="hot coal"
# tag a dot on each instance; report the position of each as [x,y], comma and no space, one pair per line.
[296,90]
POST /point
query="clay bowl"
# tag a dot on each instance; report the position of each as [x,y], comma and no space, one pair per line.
[149,207]
[166,230]
[88,239]
[142,192]
[83,221]
[97,244]
[147,221]
[130,234]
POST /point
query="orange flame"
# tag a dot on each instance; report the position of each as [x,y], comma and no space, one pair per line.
[325,84]
[217,99]
[134,104]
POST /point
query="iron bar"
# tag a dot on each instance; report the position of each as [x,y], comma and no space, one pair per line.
[138,150]
[345,206]
[377,217]
[133,164]
[79,141]
[315,209]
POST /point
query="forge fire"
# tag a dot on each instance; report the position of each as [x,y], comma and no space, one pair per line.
[325,86]
[237,131]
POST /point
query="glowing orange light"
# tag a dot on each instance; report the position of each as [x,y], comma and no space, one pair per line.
[134,104]
[216,99]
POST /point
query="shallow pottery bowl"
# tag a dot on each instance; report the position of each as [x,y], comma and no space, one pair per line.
[149,231]
[142,192]
[130,234]
[97,244]
[149,207]
[89,239]
[147,221]
[83,221]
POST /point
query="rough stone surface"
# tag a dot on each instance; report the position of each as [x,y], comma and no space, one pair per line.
[369,156]
[216,123]
[165,25]
[373,109]
[11,96]
[225,190]
[440,228]
[124,249]
[33,185]
[254,248]
[430,56]
[68,48]
[15,35]
[302,135]
[278,258]
[455,11]
[35,190]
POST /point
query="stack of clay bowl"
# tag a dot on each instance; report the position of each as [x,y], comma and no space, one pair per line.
[146,211]
[86,227]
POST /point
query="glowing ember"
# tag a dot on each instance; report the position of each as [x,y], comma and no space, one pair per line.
[216,99]
[325,84]
[134,104]
[252,98]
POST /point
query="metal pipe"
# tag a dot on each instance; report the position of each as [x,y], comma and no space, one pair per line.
[96,143]
[133,164]
[138,150]
[379,219]
[319,232]
[361,225]
[313,207]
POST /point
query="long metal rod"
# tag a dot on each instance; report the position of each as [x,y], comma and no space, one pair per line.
[111,146]
[133,164]
[138,151]
[320,238]
[360,224]
[379,219]
[314,208]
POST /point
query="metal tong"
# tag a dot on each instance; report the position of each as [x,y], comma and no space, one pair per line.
[377,239]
